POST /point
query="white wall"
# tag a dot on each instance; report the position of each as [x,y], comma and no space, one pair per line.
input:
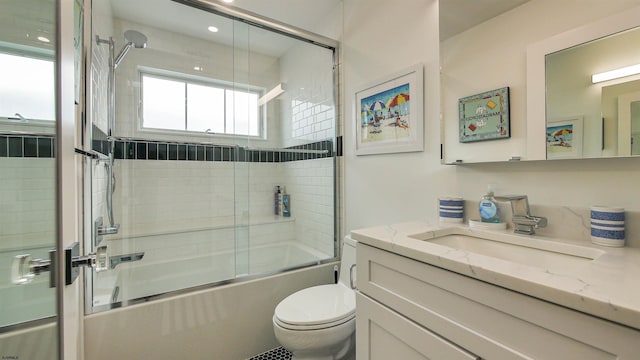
[380,39]
[384,189]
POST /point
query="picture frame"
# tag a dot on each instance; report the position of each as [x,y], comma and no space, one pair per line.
[485,116]
[389,114]
[564,138]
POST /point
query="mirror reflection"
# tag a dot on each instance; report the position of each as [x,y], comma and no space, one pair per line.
[591,102]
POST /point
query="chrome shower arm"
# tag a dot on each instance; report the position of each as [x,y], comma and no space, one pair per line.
[122,54]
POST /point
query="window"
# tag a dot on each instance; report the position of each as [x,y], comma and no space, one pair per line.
[171,103]
[27,88]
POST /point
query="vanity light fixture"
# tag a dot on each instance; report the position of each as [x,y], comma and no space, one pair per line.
[213,29]
[272,94]
[616,74]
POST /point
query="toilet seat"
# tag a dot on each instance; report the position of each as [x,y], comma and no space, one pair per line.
[317,307]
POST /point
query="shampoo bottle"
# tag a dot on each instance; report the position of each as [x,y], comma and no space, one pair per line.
[488,208]
[277,208]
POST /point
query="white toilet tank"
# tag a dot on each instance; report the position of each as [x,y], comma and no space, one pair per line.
[348,259]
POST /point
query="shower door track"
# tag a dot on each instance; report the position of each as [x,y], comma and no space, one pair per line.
[262,22]
[168,294]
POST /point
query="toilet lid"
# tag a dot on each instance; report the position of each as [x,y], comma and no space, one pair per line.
[317,305]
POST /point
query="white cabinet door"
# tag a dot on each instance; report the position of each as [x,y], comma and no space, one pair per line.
[490,321]
[383,334]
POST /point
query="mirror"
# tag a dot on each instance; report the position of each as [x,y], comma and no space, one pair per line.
[602,109]
[585,115]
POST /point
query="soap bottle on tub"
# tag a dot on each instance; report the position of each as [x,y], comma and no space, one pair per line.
[286,204]
[488,208]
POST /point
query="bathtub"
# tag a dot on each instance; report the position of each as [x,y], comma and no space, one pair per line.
[138,281]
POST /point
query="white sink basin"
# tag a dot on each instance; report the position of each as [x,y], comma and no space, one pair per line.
[523,250]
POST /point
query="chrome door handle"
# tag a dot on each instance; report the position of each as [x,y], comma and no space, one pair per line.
[24,268]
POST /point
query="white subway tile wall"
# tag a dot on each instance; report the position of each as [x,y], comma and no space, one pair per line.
[99,191]
[99,86]
[27,195]
[311,186]
[307,106]
[154,197]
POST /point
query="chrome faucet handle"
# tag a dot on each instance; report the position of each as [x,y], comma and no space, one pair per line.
[119,259]
[519,204]
[523,221]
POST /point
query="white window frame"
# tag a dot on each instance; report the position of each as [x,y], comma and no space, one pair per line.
[200,80]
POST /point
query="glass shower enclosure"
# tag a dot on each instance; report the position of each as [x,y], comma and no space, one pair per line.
[199,113]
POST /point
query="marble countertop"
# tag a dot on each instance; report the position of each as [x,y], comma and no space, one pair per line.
[607,287]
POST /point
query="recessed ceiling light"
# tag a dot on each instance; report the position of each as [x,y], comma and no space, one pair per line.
[198,68]
[43,39]
[228,1]
[212,28]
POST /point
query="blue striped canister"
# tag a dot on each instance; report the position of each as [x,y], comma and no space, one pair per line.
[607,226]
[451,209]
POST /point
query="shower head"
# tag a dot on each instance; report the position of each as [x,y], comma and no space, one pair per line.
[137,39]
[134,39]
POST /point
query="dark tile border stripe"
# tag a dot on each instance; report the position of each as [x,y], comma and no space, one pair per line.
[27,146]
[42,146]
[152,150]
[158,150]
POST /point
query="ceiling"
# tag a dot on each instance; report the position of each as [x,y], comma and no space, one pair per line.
[456,16]
[175,17]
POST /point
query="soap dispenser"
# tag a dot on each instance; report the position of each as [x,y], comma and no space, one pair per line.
[488,208]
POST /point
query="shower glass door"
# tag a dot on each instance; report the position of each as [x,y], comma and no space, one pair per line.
[27,175]
[192,138]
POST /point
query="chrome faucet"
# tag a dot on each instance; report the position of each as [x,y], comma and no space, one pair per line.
[523,221]
[119,259]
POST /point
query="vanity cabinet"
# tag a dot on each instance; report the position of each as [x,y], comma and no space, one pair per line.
[409,307]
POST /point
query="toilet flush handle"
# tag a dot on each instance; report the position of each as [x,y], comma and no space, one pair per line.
[352,277]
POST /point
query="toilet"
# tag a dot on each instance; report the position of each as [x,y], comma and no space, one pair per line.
[318,323]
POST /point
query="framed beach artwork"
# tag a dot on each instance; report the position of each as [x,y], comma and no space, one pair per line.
[389,114]
[564,138]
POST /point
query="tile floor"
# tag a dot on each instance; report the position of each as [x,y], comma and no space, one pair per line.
[278,353]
